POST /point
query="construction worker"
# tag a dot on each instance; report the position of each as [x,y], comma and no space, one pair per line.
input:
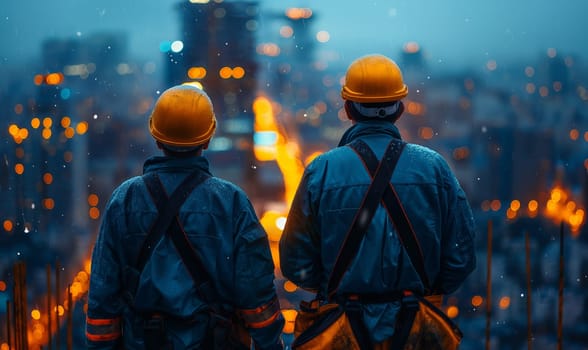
[331,191]
[158,303]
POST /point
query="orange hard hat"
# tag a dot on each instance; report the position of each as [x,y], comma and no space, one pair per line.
[183,116]
[373,79]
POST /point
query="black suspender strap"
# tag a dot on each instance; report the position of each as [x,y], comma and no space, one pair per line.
[364,215]
[168,209]
[396,212]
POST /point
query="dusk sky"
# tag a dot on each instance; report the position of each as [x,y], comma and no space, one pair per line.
[452,33]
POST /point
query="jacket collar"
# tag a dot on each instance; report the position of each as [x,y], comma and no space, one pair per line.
[363,128]
[165,163]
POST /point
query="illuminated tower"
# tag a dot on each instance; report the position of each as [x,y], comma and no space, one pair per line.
[217,51]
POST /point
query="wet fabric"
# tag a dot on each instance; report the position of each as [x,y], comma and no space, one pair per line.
[221,225]
[330,193]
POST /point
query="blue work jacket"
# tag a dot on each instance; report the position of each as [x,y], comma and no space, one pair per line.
[327,199]
[222,226]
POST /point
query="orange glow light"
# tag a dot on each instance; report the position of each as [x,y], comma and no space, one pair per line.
[461,153]
[452,311]
[574,134]
[269,221]
[23,133]
[60,310]
[94,213]
[19,168]
[477,301]
[47,122]
[495,205]
[47,178]
[18,108]
[69,132]
[504,302]
[196,72]
[7,225]
[82,128]
[426,133]
[238,72]
[510,214]
[35,123]
[415,108]
[93,200]
[13,130]
[485,205]
[560,207]
[2,286]
[36,314]
[65,122]
[225,72]
[298,13]
[515,205]
[54,78]
[38,79]
[48,203]
[287,156]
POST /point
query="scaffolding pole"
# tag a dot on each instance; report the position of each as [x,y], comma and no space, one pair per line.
[489,285]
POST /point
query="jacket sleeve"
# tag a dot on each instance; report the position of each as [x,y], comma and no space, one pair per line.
[458,257]
[299,244]
[256,298]
[103,319]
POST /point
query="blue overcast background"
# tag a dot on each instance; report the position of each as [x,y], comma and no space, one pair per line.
[454,33]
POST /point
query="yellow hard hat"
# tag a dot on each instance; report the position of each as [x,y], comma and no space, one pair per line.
[373,79]
[183,116]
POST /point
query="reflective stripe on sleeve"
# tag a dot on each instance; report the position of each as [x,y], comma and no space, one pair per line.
[261,316]
[102,329]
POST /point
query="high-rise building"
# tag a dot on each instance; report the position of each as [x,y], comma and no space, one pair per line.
[217,51]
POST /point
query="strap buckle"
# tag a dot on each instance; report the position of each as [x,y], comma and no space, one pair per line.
[156,323]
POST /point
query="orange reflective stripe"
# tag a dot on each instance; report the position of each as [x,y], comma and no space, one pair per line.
[102,329]
[102,337]
[261,316]
[102,321]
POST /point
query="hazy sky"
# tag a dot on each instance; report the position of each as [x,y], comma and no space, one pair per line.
[454,32]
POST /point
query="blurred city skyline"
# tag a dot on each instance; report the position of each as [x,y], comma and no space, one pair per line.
[509,117]
[453,34]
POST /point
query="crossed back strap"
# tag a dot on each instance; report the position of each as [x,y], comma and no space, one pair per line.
[363,217]
[396,212]
[168,223]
